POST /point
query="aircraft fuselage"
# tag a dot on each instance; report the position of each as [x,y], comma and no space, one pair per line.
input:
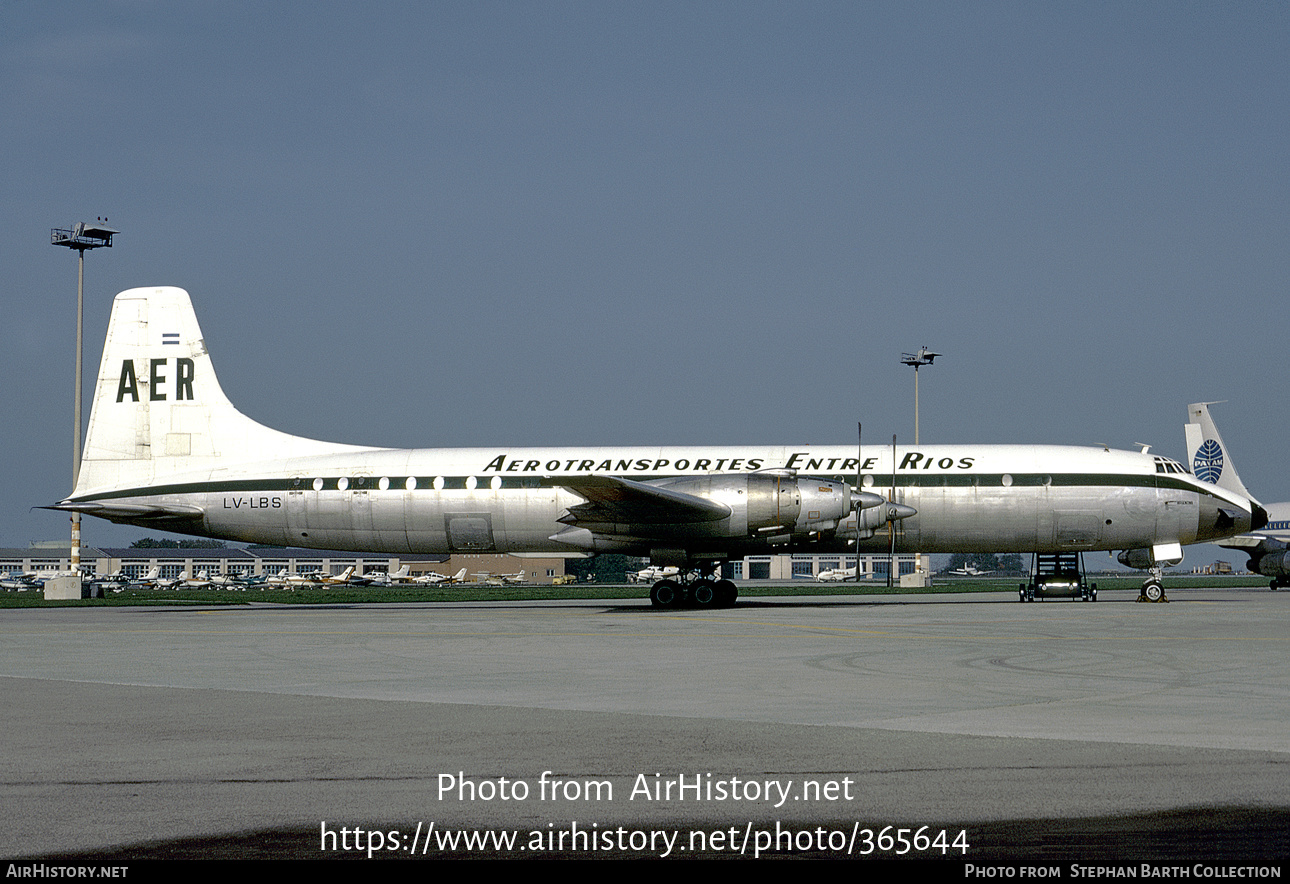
[968,498]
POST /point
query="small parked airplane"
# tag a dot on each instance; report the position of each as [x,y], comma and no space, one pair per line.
[433,578]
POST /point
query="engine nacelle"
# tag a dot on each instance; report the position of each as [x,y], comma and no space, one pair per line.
[1135,558]
[753,513]
[771,504]
[870,519]
[1151,556]
[1276,564]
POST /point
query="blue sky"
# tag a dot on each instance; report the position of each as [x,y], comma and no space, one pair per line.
[501,224]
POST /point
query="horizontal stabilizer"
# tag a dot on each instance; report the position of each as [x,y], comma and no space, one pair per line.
[129,513]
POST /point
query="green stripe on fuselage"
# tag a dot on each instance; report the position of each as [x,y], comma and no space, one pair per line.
[458,483]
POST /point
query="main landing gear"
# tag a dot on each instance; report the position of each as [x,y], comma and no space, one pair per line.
[694,590]
[1153,590]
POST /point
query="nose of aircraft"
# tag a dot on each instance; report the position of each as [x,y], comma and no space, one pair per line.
[1224,520]
[1258,518]
[1219,519]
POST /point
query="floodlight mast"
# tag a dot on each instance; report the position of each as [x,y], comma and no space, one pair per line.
[81,236]
[922,357]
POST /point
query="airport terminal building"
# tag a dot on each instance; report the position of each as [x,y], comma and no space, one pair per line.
[808,567]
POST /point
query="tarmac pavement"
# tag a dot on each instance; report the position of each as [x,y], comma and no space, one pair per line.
[1061,731]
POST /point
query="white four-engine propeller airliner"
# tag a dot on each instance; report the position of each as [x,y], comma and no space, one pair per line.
[165,449]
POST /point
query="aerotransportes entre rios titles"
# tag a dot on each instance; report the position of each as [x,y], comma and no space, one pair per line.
[166,449]
[798,460]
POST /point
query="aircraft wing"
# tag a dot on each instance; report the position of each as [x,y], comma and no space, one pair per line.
[1253,543]
[613,499]
[1242,541]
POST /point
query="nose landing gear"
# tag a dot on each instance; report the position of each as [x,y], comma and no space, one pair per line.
[1153,590]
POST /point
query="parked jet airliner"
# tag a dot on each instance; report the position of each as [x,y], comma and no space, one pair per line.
[166,449]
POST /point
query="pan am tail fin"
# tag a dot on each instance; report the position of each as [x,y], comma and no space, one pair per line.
[1207,454]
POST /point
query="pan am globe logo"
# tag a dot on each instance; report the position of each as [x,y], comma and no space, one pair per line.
[1208,465]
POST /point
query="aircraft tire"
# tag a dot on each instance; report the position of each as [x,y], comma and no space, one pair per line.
[664,594]
[704,593]
[727,592]
[1152,591]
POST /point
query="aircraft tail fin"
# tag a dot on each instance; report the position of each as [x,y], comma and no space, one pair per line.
[1207,454]
[158,409]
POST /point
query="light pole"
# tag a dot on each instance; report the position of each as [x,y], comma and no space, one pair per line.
[922,357]
[81,237]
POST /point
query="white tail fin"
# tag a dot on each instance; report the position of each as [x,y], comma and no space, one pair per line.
[158,409]
[1206,453]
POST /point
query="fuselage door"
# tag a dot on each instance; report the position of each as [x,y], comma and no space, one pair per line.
[469,531]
